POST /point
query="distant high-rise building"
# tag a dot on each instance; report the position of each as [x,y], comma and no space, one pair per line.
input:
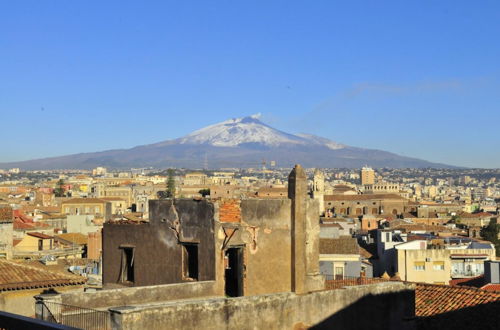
[99,171]
[367,176]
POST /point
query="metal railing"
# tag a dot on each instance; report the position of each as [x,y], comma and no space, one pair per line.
[74,316]
[339,282]
[10,321]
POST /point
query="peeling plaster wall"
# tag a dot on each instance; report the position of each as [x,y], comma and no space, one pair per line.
[268,245]
[158,254]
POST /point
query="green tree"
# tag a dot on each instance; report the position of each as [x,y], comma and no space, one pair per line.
[490,233]
[171,183]
[204,192]
[59,191]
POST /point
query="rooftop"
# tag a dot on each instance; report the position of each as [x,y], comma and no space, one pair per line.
[433,299]
[39,235]
[15,276]
[341,245]
[73,238]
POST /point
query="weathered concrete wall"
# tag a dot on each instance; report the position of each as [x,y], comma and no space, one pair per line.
[140,295]
[269,224]
[157,252]
[376,306]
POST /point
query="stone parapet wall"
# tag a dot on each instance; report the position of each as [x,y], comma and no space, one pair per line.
[376,306]
[140,295]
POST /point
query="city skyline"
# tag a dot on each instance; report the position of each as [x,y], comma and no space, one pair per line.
[76,79]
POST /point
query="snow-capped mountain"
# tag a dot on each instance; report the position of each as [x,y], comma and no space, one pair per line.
[234,132]
[241,131]
[241,142]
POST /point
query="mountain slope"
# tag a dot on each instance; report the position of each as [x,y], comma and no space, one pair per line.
[240,142]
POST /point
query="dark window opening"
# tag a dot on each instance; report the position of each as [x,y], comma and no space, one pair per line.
[127,264]
[233,261]
[190,261]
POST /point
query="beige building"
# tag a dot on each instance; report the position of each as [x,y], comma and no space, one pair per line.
[34,241]
[381,188]
[195,178]
[6,232]
[20,283]
[417,261]
[118,204]
[191,191]
[123,192]
[367,176]
[373,204]
[87,206]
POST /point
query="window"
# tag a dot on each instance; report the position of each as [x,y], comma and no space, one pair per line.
[190,261]
[438,265]
[67,210]
[127,274]
[339,273]
[97,209]
[387,237]
[419,265]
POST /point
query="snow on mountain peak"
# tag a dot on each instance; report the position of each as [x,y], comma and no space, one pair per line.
[237,131]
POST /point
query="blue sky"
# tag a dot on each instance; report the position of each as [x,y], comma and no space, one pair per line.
[419,78]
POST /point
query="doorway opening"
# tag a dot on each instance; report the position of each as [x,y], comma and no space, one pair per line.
[233,262]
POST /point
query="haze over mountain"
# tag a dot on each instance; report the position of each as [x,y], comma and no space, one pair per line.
[240,142]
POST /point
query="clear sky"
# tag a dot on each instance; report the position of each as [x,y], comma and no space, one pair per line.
[419,78]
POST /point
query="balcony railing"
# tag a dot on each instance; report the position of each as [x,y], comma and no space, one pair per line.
[469,273]
[339,282]
[40,253]
[73,316]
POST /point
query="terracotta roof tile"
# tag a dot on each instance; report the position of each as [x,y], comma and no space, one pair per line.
[76,238]
[433,299]
[491,287]
[16,276]
[39,235]
[341,245]
[477,281]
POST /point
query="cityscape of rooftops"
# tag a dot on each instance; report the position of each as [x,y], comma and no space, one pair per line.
[249,165]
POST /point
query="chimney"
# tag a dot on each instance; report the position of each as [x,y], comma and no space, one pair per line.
[305,235]
[492,271]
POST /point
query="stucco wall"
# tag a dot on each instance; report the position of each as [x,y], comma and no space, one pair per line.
[268,259]
[377,306]
[429,257]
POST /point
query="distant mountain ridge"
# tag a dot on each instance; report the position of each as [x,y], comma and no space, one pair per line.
[239,142]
